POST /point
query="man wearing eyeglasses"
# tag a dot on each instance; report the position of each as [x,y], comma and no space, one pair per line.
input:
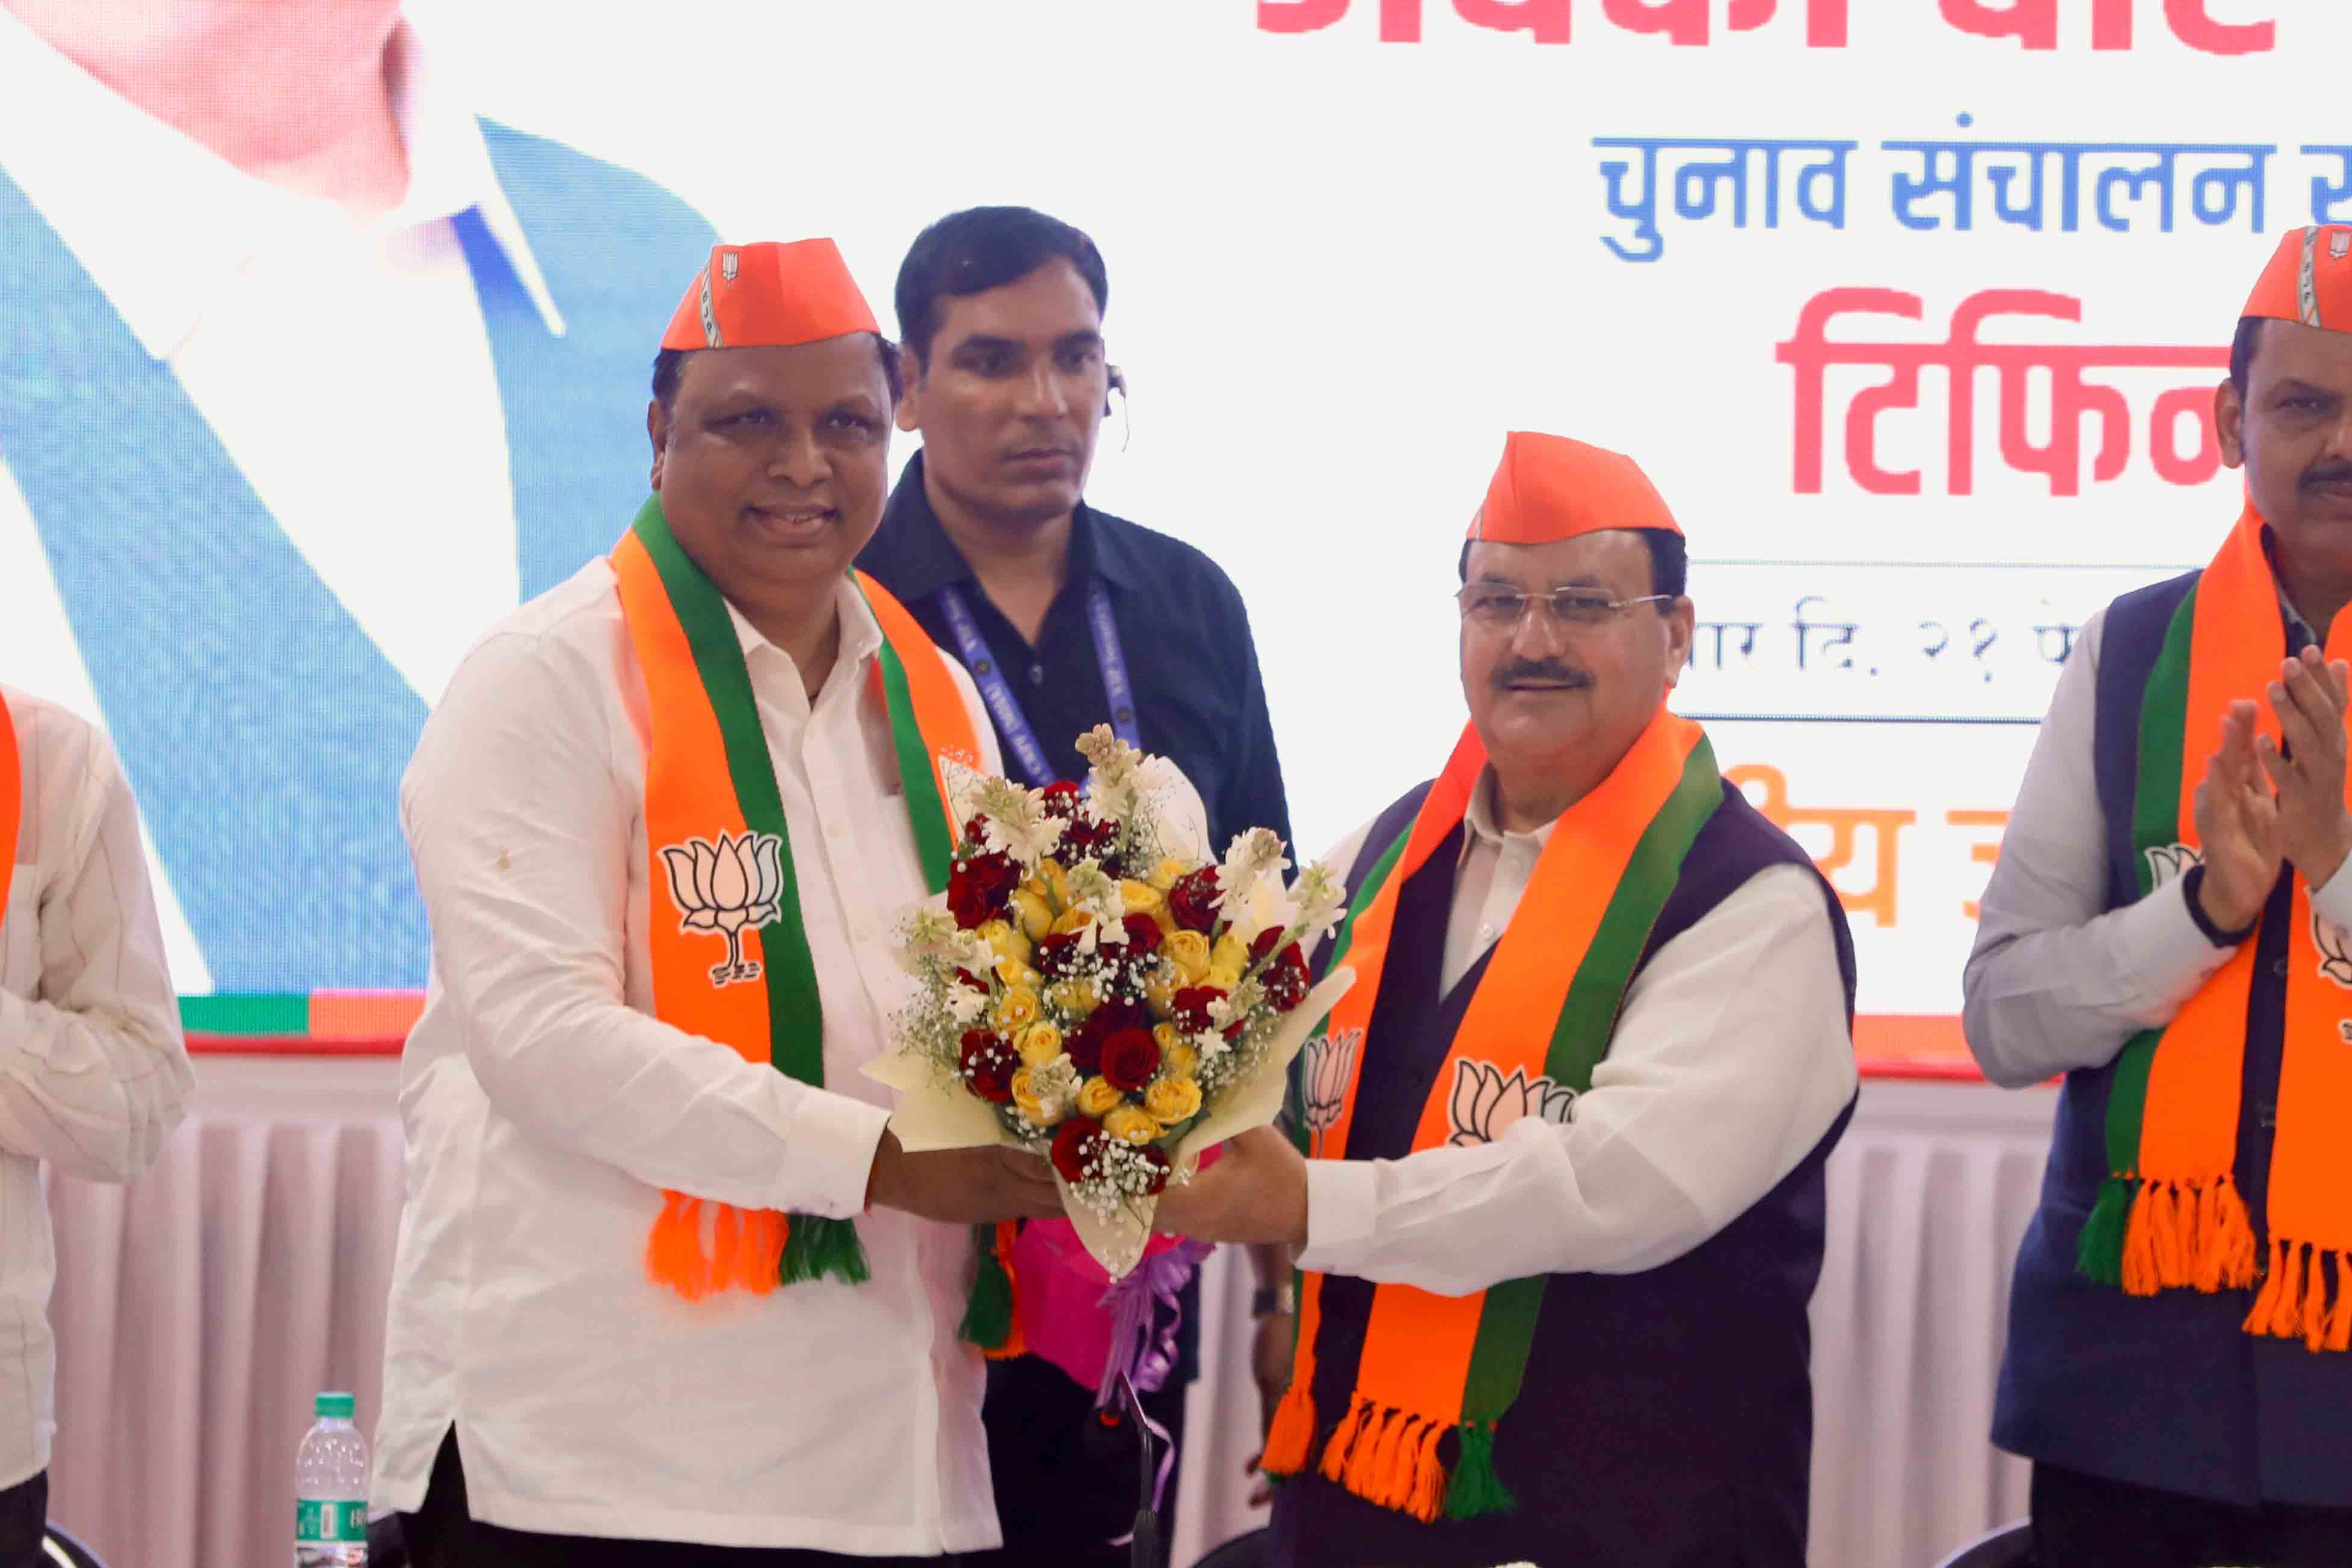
[1559,1177]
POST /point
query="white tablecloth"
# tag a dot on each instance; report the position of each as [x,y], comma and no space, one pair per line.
[199,1311]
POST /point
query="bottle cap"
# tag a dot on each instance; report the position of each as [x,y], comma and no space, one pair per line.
[334,1406]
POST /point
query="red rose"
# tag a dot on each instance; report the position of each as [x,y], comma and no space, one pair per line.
[1062,800]
[1051,958]
[1142,935]
[975,830]
[1075,1145]
[1083,838]
[1189,1006]
[1130,1058]
[1193,900]
[979,888]
[1286,979]
[1156,1157]
[1085,1042]
[1264,943]
[974,981]
[988,1063]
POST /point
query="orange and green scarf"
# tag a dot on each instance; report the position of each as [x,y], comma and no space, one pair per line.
[2170,1216]
[717,844]
[1545,1008]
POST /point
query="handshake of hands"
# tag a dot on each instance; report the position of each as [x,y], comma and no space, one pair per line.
[1255,1193]
[2261,803]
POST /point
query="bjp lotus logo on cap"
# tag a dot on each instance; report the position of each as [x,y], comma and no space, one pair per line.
[729,262]
[727,888]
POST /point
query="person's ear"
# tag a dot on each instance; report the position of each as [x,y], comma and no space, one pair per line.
[658,432]
[910,413]
[2229,424]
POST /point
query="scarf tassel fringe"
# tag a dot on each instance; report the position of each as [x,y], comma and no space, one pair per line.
[2295,1303]
[746,1248]
[2146,1236]
[1390,1459]
[992,1314]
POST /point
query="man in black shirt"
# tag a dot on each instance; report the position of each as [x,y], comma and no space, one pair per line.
[1068,618]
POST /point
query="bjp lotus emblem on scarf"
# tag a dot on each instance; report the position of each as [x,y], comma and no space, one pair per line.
[2167,862]
[1330,1067]
[1485,1104]
[2335,947]
[727,889]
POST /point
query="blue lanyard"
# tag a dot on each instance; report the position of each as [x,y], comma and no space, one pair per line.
[1005,708]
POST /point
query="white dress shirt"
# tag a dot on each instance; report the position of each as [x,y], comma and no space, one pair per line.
[93,1071]
[1731,1060]
[2056,981]
[547,1109]
[262,302]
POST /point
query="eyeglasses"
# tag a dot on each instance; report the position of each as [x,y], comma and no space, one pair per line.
[1489,604]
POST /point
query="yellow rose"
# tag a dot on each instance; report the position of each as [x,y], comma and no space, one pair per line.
[1188,951]
[1231,954]
[1099,1097]
[1057,882]
[1017,1008]
[1177,1059]
[1027,1101]
[1225,977]
[1013,972]
[1172,1100]
[1073,998]
[1071,920]
[1006,942]
[1040,1043]
[1131,1123]
[1036,916]
[1140,897]
[1159,992]
[1167,873]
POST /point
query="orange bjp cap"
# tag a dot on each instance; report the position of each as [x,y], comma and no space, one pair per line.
[1548,488]
[769,295]
[2309,280]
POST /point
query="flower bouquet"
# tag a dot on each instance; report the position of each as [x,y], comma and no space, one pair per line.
[1093,989]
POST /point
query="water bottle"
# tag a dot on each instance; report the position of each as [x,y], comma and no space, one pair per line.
[331,1488]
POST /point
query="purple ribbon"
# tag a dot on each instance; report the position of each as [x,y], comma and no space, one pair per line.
[1143,1341]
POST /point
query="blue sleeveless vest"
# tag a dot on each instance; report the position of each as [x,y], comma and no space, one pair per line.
[263,732]
[2164,1392]
[1666,1420]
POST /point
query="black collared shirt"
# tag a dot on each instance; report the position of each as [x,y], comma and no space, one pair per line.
[1198,698]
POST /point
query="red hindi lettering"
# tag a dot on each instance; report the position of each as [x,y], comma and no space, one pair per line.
[1547,19]
[1809,353]
[2192,26]
[1824,20]
[2163,438]
[1682,21]
[1298,15]
[2033,23]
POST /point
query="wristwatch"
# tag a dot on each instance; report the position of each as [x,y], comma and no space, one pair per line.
[1269,1299]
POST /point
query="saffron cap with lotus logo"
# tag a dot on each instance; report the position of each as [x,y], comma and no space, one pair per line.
[1550,488]
[2308,279]
[769,295]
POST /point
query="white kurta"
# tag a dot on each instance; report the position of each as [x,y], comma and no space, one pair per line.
[93,1071]
[547,1109]
[393,483]
[1731,1060]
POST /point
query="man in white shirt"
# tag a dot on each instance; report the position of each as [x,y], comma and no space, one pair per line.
[311,375]
[93,1072]
[580,1369]
[1564,1210]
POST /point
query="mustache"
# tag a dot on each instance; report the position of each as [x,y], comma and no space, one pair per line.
[2332,474]
[1518,670]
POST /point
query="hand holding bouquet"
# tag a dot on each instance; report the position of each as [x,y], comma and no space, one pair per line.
[1093,989]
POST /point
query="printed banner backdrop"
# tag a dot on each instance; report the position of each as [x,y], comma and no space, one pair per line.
[1912,307]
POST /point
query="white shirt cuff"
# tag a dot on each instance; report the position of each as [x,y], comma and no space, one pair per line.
[829,1155]
[1342,1211]
[2163,941]
[2333,901]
